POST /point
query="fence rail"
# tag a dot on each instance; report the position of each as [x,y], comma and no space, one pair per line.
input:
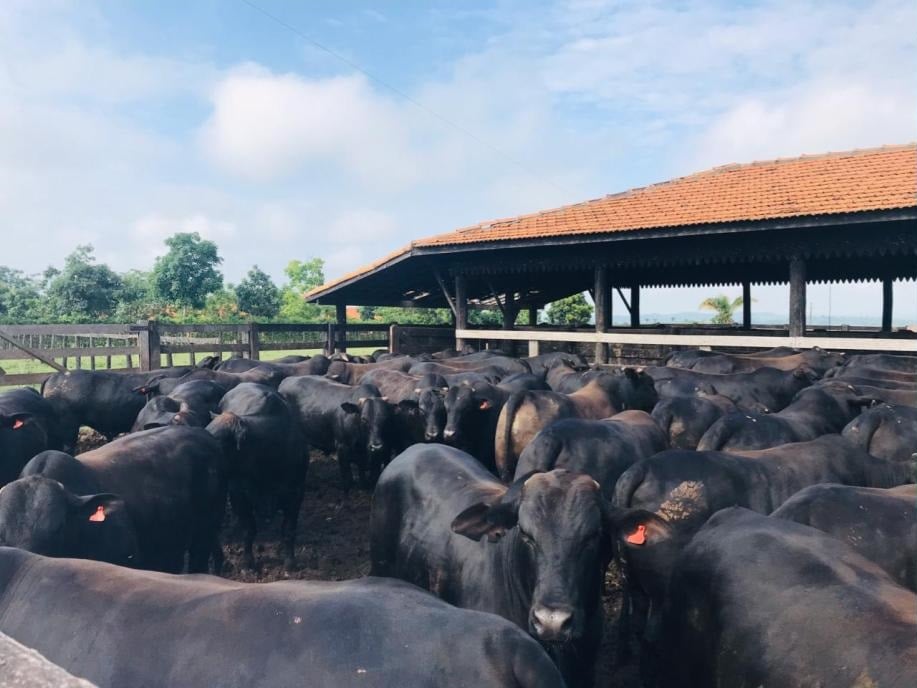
[150,345]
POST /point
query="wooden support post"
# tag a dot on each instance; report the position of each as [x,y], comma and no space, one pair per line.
[394,343]
[635,306]
[746,305]
[510,311]
[533,316]
[602,296]
[797,297]
[340,311]
[461,308]
[254,343]
[329,339]
[888,301]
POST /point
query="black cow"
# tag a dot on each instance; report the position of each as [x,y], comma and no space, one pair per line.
[473,411]
[353,422]
[173,484]
[492,365]
[818,360]
[820,410]
[188,404]
[352,373]
[525,413]
[879,524]
[419,412]
[42,516]
[541,363]
[288,367]
[118,627]
[268,375]
[685,419]
[761,601]
[28,425]
[766,389]
[268,459]
[534,553]
[602,449]
[684,488]
[900,363]
[105,401]
[889,432]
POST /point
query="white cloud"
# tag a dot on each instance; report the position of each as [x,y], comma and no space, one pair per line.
[819,118]
[154,229]
[266,125]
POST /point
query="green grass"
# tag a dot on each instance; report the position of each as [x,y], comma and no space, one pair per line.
[21,365]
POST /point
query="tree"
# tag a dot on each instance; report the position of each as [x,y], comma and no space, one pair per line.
[303,276]
[723,307]
[83,290]
[19,297]
[572,311]
[188,272]
[413,316]
[486,317]
[258,295]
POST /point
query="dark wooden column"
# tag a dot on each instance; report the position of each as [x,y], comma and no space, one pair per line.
[635,306]
[510,311]
[533,316]
[746,305]
[797,297]
[887,303]
[340,311]
[461,308]
[602,311]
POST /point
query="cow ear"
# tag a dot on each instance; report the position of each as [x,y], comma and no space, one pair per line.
[350,407]
[494,519]
[484,404]
[637,528]
[95,508]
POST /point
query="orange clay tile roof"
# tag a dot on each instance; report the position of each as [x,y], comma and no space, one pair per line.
[853,181]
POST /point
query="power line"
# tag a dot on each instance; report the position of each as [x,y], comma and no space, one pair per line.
[394,89]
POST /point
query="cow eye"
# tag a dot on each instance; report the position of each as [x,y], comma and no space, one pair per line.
[527,539]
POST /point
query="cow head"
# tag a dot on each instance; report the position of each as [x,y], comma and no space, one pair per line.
[40,515]
[374,415]
[431,406]
[561,533]
[464,404]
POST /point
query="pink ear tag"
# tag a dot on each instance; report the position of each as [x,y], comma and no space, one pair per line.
[638,537]
[99,515]
[18,423]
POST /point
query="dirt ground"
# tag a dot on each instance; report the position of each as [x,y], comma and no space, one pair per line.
[333,544]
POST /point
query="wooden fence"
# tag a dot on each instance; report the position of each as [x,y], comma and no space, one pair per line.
[151,345]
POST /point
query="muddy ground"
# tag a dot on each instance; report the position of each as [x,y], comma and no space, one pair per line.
[333,544]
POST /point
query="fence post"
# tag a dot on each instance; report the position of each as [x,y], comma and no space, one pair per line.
[394,342]
[254,345]
[150,349]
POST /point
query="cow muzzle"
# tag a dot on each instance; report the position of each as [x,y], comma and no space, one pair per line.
[552,624]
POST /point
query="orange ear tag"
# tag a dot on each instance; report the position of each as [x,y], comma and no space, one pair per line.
[99,515]
[638,537]
[18,423]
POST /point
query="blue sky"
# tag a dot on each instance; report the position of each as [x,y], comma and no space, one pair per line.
[121,123]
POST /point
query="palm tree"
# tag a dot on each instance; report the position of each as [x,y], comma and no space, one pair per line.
[723,307]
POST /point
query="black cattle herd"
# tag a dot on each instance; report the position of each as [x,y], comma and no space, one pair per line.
[760,509]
